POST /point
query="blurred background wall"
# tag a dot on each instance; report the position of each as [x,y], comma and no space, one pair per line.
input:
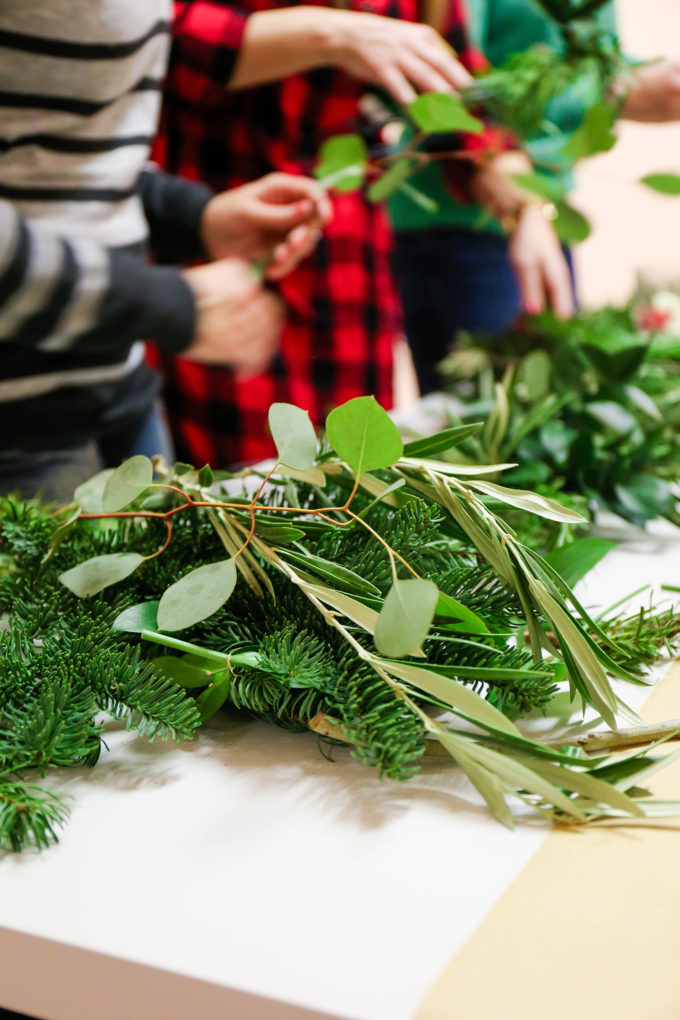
[634,230]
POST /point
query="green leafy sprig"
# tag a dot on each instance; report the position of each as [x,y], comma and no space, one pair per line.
[365,546]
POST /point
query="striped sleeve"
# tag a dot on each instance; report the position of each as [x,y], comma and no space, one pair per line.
[59,293]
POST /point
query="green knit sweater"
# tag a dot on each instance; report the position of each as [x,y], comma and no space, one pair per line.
[500,28]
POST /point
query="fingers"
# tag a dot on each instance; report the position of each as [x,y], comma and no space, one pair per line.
[559,288]
[530,284]
[440,56]
[291,196]
[300,243]
[394,81]
[422,74]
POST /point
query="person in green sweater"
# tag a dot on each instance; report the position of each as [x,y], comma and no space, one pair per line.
[458,269]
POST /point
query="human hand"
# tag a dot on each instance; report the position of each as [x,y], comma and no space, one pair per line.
[238,322]
[279,217]
[399,56]
[540,265]
[654,97]
[536,255]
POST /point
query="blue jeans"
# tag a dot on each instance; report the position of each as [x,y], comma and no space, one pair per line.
[55,474]
[452,280]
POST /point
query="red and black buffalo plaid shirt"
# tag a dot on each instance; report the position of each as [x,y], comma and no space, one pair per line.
[342,310]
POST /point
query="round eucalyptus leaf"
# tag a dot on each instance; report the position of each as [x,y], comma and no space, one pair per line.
[405,619]
[197,595]
[92,576]
[127,482]
[364,435]
[294,436]
[90,494]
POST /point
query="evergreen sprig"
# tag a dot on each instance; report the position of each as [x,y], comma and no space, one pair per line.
[368,595]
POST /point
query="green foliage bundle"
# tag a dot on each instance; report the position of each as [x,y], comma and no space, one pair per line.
[367,594]
[588,409]
[517,95]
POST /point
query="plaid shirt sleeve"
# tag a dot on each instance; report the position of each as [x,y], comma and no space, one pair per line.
[207,39]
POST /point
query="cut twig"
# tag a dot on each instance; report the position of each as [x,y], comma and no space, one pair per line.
[612,739]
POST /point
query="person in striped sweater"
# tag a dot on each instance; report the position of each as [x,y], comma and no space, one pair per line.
[80,85]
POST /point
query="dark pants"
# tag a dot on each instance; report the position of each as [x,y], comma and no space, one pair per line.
[452,280]
[55,474]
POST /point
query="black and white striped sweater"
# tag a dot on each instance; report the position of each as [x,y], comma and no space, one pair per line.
[80,85]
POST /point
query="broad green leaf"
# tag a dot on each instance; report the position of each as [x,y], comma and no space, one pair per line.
[466,621]
[143,616]
[405,619]
[184,673]
[364,435]
[349,607]
[643,402]
[342,576]
[461,699]
[571,226]
[90,494]
[540,184]
[294,436]
[534,374]
[342,162]
[612,415]
[441,441]
[645,497]
[575,560]
[441,112]
[542,506]
[666,184]
[211,701]
[594,134]
[197,595]
[126,483]
[391,180]
[92,576]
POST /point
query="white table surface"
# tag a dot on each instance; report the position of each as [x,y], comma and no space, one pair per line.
[243,875]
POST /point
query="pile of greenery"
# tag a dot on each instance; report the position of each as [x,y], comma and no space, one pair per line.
[362,591]
[589,410]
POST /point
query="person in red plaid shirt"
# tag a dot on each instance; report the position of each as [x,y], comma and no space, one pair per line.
[257,88]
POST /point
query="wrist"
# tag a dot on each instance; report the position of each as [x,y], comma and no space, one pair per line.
[333,35]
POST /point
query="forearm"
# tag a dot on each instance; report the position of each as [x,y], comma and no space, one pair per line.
[59,293]
[279,43]
[174,208]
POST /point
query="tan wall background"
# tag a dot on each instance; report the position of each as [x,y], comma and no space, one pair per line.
[634,229]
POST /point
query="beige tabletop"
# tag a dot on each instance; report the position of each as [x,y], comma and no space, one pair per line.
[590,928]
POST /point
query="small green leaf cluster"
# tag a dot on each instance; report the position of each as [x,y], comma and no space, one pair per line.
[587,408]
